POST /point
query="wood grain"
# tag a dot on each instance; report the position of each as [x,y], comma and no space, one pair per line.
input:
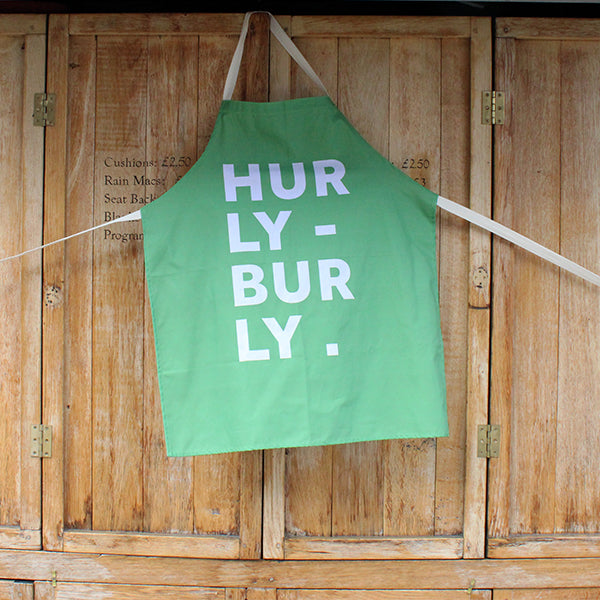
[143,544]
[478,318]
[453,247]
[578,423]
[360,548]
[149,23]
[23,24]
[11,144]
[414,134]
[78,297]
[53,315]
[550,546]
[171,132]
[545,28]
[380,26]
[118,292]
[328,575]
[95,591]
[526,302]
[379,595]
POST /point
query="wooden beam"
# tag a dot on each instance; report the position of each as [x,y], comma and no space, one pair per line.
[335,574]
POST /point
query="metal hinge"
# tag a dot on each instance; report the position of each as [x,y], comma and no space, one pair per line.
[492,108]
[41,441]
[44,109]
[488,441]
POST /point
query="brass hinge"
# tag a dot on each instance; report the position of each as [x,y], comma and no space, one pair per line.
[488,441]
[492,108]
[41,441]
[44,109]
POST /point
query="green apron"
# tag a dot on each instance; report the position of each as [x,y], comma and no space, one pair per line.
[293,284]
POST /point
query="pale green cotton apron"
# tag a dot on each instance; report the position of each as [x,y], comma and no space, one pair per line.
[293,284]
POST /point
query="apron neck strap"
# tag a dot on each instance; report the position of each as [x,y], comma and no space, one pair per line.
[283,39]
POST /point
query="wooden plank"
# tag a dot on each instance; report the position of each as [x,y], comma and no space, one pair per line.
[254,80]
[279,65]
[378,595]
[526,303]
[22,591]
[322,55]
[144,544]
[261,594]
[43,590]
[550,546]
[95,591]
[23,24]
[171,146]
[214,56]
[119,288]
[12,69]
[357,500]
[564,594]
[216,493]
[235,594]
[78,295]
[364,88]
[22,62]
[478,319]
[155,23]
[324,574]
[414,146]
[540,28]
[578,422]
[274,503]
[54,278]
[18,538]
[359,548]
[357,494]
[251,481]
[32,170]
[453,247]
[309,491]
[380,26]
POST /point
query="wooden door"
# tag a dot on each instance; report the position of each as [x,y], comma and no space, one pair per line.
[544,488]
[137,98]
[22,74]
[412,88]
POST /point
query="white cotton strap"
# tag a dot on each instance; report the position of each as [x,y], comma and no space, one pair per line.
[284,40]
[134,216]
[518,239]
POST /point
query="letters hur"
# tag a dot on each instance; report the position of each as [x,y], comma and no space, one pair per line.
[248,279]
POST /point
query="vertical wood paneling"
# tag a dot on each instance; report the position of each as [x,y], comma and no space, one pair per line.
[78,318]
[414,134]
[453,243]
[118,294]
[363,96]
[12,71]
[478,319]
[34,49]
[171,146]
[53,315]
[525,339]
[22,60]
[578,420]
[214,56]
